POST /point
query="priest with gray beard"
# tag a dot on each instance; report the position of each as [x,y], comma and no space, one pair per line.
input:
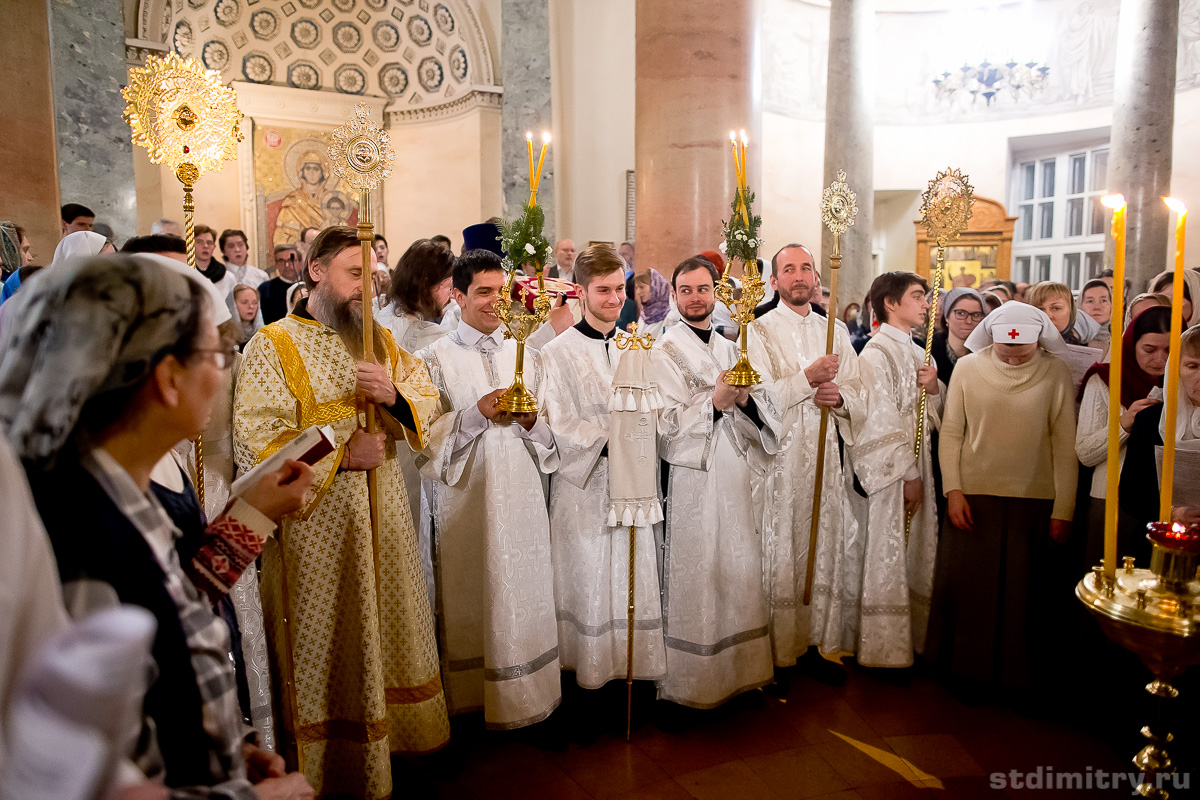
[714,605]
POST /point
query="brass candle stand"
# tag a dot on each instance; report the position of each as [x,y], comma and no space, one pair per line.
[741,243]
[185,118]
[946,209]
[525,246]
[1155,613]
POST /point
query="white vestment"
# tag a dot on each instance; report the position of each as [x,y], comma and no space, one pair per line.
[714,599]
[415,334]
[897,580]
[591,558]
[783,343]
[499,638]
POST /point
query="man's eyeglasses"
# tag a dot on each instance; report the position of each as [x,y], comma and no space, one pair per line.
[222,357]
[962,315]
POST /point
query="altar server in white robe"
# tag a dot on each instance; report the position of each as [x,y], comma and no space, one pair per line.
[897,575]
[787,347]
[590,546]
[491,533]
[714,603]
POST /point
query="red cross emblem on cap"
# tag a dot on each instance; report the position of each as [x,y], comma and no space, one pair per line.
[1013,334]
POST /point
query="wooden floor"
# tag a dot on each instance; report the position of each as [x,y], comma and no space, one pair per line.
[869,738]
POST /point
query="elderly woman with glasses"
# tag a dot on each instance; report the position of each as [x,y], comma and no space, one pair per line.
[108,363]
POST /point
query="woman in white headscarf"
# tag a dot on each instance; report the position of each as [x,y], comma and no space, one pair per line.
[1009,472]
[1163,284]
[79,243]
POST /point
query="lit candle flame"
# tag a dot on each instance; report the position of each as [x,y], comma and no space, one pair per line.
[546,137]
[1113,201]
[1175,204]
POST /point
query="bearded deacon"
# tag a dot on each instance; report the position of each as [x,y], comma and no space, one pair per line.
[495,587]
[897,567]
[358,661]
[714,604]
[590,544]
[787,346]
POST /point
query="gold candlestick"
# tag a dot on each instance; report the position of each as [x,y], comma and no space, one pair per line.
[185,118]
[946,210]
[839,207]
[525,245]
[741,242]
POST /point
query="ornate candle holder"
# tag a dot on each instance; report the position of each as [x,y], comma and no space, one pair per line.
[525,246]
[1154,613]
[185,118]
[741,242]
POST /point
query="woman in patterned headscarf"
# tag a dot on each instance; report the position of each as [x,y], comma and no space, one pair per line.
[653,294]
[107,363]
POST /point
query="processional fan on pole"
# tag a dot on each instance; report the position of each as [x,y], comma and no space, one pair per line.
[185,118]
[839,207]
[362,155]
[946,210]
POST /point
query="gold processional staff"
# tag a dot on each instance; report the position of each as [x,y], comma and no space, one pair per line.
[839,207]
[185,118]
[946,210]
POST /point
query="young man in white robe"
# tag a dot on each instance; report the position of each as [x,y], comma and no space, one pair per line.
[897,573]
[590,550]
[714,604]
[787,347]
[495,586]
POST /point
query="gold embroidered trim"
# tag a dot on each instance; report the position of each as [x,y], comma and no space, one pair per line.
[361,732]
[403,695]
[273,447]
[319,494]
[295,374]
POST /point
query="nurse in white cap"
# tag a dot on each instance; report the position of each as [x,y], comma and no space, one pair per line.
[1009,472]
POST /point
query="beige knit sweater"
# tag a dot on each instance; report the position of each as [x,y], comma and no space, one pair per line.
[1010,431]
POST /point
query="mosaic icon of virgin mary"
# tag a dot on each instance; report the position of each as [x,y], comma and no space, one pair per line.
[313,203]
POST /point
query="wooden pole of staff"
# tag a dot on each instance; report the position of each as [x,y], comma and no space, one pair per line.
[933,309]
[366,237]
[835,263]
[629,638]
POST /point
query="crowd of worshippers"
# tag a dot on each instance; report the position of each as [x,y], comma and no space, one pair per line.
[299,631]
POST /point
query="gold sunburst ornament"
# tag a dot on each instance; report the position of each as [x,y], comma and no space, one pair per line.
[362,152]
[839,207]
[185,118]
[946,209]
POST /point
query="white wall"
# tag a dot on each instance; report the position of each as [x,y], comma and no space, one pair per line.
[446,177]
[592,66]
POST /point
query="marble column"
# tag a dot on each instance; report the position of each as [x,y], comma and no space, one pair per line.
[1139,164]
[28,165]
[525,70]
[95,157]
[697,79]
[850,139]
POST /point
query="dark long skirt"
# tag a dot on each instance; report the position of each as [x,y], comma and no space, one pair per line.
[990,592]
